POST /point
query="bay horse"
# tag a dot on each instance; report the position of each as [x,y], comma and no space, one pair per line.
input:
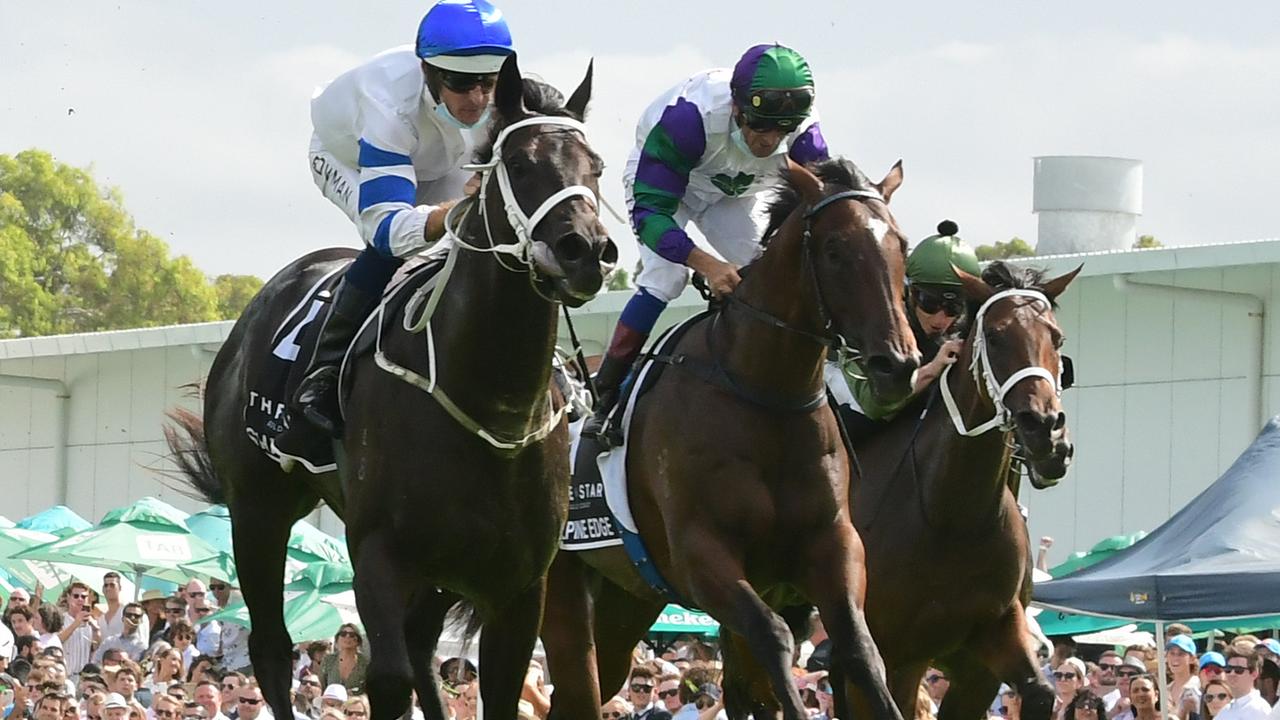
[948,556]
[435,512]
[737,475]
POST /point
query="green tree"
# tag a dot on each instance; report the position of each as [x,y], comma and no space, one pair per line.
[620,279]
[1016,247]
[72,260]
[1147,241]
[234,293]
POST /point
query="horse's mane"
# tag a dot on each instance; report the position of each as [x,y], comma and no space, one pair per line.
[836,174]
[1004,276]
[539,99]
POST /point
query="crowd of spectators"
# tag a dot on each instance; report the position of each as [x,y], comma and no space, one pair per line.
[89,655]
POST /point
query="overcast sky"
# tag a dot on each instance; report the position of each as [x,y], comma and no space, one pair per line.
[198,112]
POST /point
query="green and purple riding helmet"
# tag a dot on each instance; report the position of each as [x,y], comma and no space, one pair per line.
[772,88]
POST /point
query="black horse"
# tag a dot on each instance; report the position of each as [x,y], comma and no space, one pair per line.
[445,498]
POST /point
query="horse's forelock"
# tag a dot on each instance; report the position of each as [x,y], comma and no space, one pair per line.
[539,99]
[1006,276]
[836,174]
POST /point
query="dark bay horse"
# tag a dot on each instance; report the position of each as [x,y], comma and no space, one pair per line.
[740,486]
[435,512]
[947,549]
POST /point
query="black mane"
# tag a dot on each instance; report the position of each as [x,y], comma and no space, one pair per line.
[837,174]
[539,99]
[1005,276]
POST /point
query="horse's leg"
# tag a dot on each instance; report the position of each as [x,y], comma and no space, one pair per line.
[263,510]
[382,596]
[1008,650]
[746,685]
[719,585]
[568,640]
[621,621]
[422,628]
[837,582]
[973,686]
[506,646]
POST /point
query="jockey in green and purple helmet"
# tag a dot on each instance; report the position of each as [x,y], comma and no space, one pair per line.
[391,137]
[706,151]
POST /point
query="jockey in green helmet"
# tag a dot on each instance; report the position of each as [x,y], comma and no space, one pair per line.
[936,304]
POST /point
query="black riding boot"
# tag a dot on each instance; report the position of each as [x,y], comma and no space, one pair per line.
[608,386]
[317,395]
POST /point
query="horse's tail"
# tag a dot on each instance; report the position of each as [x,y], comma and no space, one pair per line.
[190,452]
[465,616]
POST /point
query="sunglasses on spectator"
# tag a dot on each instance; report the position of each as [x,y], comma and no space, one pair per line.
[312,683]
[466,82]
[612,715]
[1236,669]
[195,593]
[704,702]
[1128,673]
[173,610]
[669,693]
[354,713]
[203,611]
[249,701]
[1110,666]
[133,616]
[1064,676]
[166,713]
[80,596]
[1211,669]
[935,678]
[348,633]
[217,587]
[638,688]
[1217,696]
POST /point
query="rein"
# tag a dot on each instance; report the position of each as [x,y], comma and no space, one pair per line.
[985,376]
[427,297]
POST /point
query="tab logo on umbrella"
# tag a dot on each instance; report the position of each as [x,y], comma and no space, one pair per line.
[154,547]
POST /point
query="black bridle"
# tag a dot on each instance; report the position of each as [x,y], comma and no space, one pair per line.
[829,338]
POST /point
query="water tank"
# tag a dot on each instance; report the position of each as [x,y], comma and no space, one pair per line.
[1086,203]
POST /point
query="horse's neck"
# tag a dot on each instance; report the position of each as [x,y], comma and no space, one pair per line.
[962,478]
[495,339]
[759,355]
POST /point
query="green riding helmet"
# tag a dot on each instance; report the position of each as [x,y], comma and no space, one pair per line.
[772,87]
[930,263]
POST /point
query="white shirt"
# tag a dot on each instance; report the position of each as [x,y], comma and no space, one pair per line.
[1111,698]
[1249,707]
[379,117]
[6,642]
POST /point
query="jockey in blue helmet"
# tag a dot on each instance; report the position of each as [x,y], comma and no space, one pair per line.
[391,136]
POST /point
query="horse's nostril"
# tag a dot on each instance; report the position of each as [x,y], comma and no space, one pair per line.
[1061,422]
[608,252]
[571,248]
[880,365]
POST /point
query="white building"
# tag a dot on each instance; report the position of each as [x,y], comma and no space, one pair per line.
[1176,363]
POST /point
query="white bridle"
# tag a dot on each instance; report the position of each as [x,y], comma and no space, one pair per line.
[985,377]
[522,225]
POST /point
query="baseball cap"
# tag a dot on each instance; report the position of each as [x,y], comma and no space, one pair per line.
[115,700]
[711,690]
[1213,657]
[336,691]
[1183,643]
[1271,644]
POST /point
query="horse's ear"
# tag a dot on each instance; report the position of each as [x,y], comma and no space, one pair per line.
[807,183]
[974,288]
[890,183]
[508,96]
[578,100]
[1055,287]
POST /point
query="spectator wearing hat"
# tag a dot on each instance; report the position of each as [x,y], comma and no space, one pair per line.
[333,697]
[1068,679]
[1131,668]
[1180,657]
[1241,673]
[1268,649]
[115,708]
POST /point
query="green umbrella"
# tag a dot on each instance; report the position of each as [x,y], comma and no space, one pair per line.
[327,577]
[1101,550]
[149,536]
[676,619]
[221,567]
[59,520]
[309,544]
[306,616]
[52,576]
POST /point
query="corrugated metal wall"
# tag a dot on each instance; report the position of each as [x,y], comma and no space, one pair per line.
[1158,412]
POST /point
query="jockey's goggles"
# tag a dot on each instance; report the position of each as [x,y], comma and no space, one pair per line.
[776,108]
[462,83]
[932,301]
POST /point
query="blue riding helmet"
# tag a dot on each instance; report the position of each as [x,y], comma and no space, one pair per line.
[466,36]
